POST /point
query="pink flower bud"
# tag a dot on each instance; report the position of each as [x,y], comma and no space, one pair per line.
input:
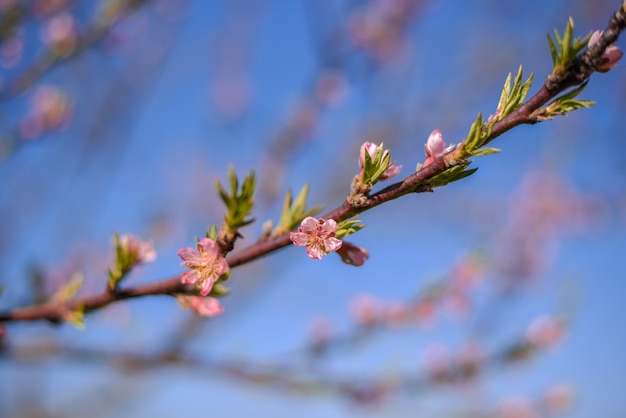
[611,55]
[372,149]
[435,147]
[353,254]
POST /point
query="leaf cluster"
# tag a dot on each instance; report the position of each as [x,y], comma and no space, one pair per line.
[374,168]
[348,227]
[564,49]
[478,135]
[513,96]
[563,104]
[451,175]
[125,259]
[239,201]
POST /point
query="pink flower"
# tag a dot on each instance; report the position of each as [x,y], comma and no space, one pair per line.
[143,251]
[435,147]
[203,306]
[546,331]
[318,235]
[366,310]
[353,254]
[372,149]
[206,264]
[611,55]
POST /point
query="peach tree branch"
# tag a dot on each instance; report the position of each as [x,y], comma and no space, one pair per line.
[570,69]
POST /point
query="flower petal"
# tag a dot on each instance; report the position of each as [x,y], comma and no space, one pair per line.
[190,277]
[332,244]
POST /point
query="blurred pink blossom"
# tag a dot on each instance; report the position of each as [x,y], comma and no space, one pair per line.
[11,51]
[202,305]
[50,110]
[318,235]
[365,310]
[517,407]
[143,250]
[437,361]
[546,331]
[611,55]
[321,330]
[331,87]
[558,399]
[60,33]
[206,264]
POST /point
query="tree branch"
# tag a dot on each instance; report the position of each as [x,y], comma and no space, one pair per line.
[579,71]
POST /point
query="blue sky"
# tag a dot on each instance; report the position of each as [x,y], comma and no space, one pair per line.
[148,141]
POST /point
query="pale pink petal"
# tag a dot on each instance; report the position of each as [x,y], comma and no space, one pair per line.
[315,252]
[204,306]
[435,145]
[332,244]
[146,253]
[329,226]
[209,246]
[207,306]
[594,38]
[221,266]
[206,286]
[187,253]
[370,148]
[190,277]
[309,223]
[391,171]
[299,238]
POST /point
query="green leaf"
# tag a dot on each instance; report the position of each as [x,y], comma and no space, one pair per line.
[348,227]
[451,175]
[513,96]
[69,289]
[566,48]
[219,289]
[211,232]
[564,104]
[485,151]
[553,51]
[506,90]
[374,168]
[239,203]
[76,317]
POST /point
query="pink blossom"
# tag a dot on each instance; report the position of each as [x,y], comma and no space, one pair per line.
[366,310]
[611,55]
[372,149]
[435,147]
[203,306]
[143,251]
[318,235]
[353,254]
[546,331]
[206,264]
[516,407]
